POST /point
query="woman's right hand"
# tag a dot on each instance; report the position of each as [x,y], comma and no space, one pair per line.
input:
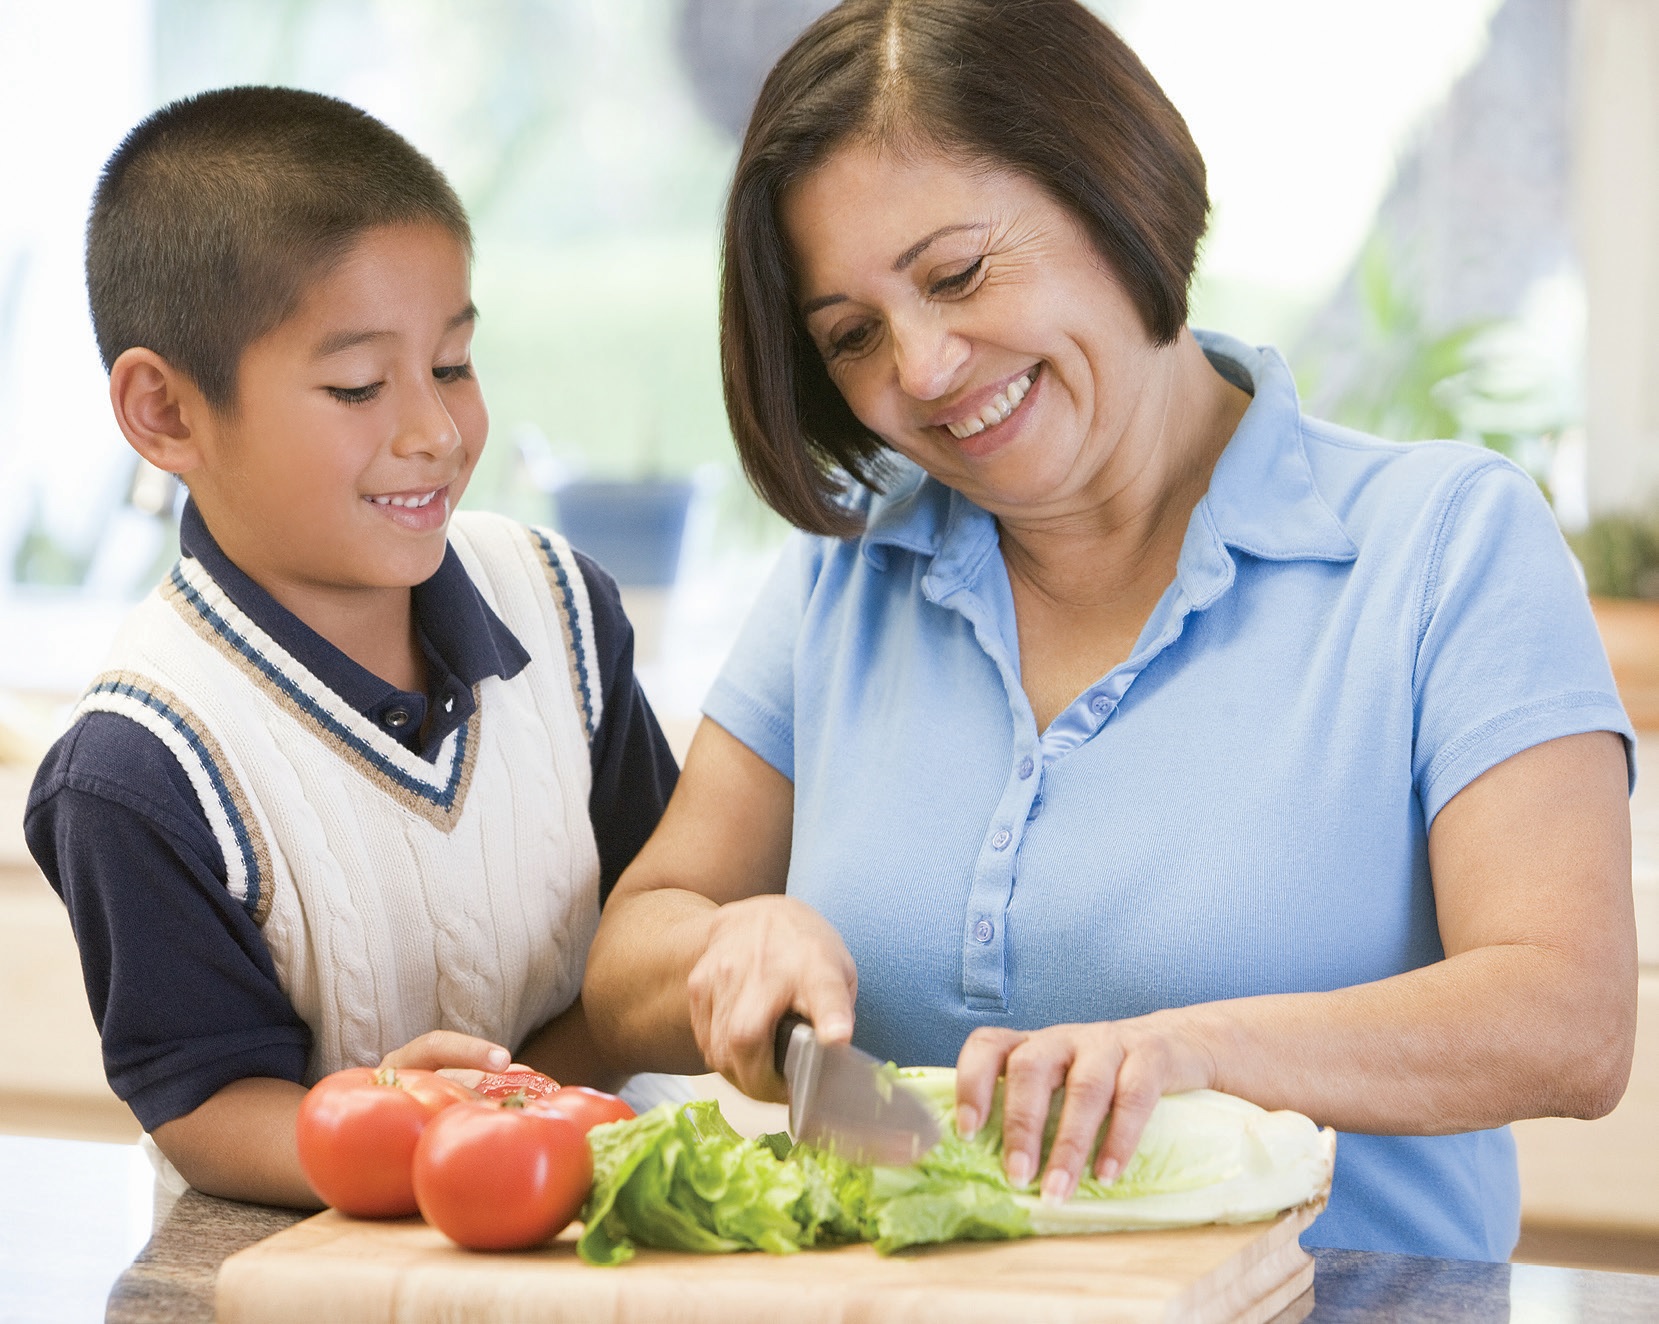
[766,956]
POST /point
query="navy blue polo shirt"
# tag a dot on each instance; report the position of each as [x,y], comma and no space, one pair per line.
[182,986]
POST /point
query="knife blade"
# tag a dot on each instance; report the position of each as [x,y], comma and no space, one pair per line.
[843,1099]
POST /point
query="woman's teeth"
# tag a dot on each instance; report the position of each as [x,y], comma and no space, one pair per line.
[1004,403]
[411,502]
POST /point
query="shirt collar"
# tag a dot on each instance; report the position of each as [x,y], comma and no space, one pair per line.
[1262,498]
[458,627]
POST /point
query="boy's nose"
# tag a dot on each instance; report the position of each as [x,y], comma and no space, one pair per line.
[427,428]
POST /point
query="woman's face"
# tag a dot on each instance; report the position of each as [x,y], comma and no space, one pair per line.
[971,325]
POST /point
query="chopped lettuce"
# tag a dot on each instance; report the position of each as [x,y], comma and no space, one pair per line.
[685,1180]
[682,1179]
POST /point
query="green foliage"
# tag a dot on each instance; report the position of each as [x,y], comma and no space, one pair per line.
[1620,555]
[1478,381]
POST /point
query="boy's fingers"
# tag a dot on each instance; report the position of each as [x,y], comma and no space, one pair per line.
[438,1049]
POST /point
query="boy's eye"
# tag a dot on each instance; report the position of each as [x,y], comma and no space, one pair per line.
[959,282]
[354,395]
[453,372]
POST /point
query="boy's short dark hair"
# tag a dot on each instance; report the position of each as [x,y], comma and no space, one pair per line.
[1042,87]
[215,214]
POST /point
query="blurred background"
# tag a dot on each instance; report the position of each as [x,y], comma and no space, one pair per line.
[1444,212]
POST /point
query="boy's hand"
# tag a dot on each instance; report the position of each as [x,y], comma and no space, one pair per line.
[462,1057]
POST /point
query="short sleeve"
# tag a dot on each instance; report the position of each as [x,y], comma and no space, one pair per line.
[633,768]
[181,984]
[753,697]
[1508,654]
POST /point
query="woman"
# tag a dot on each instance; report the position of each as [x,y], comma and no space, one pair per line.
[1117,728]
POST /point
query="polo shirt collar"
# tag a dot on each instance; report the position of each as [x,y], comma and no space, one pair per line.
[457,626]
[1262,499]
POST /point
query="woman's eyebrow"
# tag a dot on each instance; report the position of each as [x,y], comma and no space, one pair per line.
[916,249]
[903,260]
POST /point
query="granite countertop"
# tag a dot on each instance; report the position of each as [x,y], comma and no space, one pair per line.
[73,1211]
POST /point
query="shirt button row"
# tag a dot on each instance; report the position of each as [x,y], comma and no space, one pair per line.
[984,931]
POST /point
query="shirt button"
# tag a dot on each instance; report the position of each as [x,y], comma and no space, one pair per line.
[449,704]
[1100,705]
[984,931]
[1026,768]
[1001,839]
[397,717]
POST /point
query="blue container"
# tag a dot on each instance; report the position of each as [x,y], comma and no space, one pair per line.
[633,529]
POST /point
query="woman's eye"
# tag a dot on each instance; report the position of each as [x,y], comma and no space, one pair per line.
[355,395]
[851,341]
[453,372]
[959,282]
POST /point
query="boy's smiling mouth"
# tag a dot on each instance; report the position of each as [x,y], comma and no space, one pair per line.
[406,501]
[419,510]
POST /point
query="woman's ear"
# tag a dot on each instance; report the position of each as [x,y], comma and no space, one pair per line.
[159,410]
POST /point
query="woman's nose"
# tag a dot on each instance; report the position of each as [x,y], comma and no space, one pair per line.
[927,357]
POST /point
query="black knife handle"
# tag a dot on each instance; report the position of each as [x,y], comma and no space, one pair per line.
[780,1041]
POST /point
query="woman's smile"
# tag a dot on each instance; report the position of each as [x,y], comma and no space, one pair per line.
[981,423]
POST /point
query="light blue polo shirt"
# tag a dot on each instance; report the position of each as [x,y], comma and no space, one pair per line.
[1356,630]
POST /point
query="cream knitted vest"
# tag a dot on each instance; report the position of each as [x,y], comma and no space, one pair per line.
[396,895]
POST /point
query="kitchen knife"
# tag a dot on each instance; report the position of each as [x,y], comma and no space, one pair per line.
[842,1099]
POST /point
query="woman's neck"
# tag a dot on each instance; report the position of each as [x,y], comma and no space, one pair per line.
[1126,527]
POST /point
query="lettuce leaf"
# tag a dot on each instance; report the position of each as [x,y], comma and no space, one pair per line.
[683,1179]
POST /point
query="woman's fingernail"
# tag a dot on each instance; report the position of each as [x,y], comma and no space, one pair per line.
[1108,1172]
[834,1027]
[1058,1186]
[967,1123]
[1019,1169]
[498,1059]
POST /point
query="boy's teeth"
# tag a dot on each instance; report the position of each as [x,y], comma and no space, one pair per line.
[410,502]
[1003,403]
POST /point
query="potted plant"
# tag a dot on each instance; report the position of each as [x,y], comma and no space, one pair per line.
[1620,556]
[634,527]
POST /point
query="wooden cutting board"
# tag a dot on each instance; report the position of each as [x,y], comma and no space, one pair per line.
[332,1268]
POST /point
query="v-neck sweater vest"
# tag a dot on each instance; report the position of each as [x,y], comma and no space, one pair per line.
[396,895]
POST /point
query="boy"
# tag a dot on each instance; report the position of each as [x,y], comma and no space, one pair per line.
[357,779]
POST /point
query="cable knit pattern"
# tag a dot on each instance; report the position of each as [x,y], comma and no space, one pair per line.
[397,895]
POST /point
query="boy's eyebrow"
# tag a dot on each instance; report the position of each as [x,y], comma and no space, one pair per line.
[343,340]
[903,260]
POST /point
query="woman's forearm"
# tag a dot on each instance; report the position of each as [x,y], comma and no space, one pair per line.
[1478,1040]
[566,1049]
[635,987]
[724,838]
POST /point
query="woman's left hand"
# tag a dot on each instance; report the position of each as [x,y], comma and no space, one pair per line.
[1121,1067]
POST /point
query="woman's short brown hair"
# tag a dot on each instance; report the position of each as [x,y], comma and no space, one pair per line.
[1039,86]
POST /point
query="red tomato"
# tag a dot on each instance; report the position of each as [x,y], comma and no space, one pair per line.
[505,1084]
[588,1108]
[357,1131]
[501,1176]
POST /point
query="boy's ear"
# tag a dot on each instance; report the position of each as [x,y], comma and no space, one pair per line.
[159,410]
